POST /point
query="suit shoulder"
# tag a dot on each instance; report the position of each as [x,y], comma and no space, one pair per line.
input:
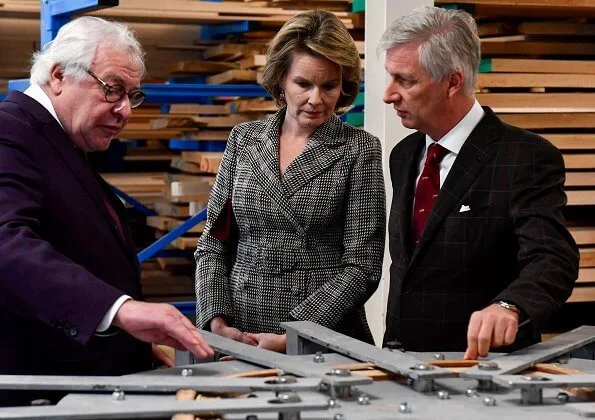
[408,143]
[16,123]
[529,141]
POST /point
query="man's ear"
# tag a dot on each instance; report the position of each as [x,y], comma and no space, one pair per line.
[56,81]
[455,84]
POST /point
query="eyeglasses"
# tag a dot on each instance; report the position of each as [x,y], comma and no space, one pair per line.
[113,93]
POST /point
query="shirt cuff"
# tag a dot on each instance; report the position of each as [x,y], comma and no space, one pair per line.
[107,319]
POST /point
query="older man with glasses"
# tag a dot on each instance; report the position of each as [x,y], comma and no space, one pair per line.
[70,295]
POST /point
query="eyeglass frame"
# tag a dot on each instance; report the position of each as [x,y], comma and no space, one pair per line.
[107,88]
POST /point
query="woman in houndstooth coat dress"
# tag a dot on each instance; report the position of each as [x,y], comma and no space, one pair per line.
[296,219]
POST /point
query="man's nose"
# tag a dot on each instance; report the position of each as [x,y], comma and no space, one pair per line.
[123,108]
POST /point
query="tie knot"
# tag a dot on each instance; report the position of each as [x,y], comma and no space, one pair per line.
[436,153]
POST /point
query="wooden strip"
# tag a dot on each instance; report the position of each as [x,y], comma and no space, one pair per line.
[557,28]
[588,4]
[545,121]
[572,141]
[253,61]
[231,52]
[582,294]
[583,235]
[168,223]
[185,395]
[171,209]
[532,48]
[198,109]
[547,80]
[587,257]
[581,198]
[538,66]
[581,179]
[579,161]
[537,100]
[232,76]
[185,243]
[253,105]
[200,67]
[586,275]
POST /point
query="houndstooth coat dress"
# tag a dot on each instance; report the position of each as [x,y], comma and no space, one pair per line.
[310,243]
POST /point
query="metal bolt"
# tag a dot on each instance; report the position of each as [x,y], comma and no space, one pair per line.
[488,366]
[281,380]
[563,360]
[443,395]
[410,381]
[40,402]
[118,395]
[363,399]
[339,372]
[318,357]
[438,356]
[563,397]
[187,372]
[332,403]
[489,401]
[251,417]
[404,408]
[535,378]
[339,416]
[422,366]
[280,372]
[470,392]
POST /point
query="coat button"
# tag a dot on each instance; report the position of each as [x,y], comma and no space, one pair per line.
[72,332]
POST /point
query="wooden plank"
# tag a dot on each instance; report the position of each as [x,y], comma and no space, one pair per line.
[545,121]
[253,61]
[522,65]
[198,109]
[185,243]
[206,161]
[582,161]
[559,4]
[229,121]
[201,185]
[533,48]
[547,80]
[557,28]
[171,209]
[253,105]
[586,275]
[587,257]
[538,100]
[583,235]
[581,198]
[582,294]
[231,52]
[232,76]
[496,29]
[200,67]
[207,135]
[168,223]
[581,179]
[175,263]
[572,141]
[174,122]
[156,158]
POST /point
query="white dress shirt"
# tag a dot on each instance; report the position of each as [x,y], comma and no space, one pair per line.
[34,91]
[452,141]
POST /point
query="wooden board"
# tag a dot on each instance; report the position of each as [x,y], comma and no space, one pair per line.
[198,109]
[229,121]
[522,65]
[581,198]
[547,80]
[587,257]
[253,105]
[206,161]
[533,48]
[171,209]
[207,135]
[586,275]
[582,161]
[200,67]
[557,28]
[232,52]
[545,121]
[539,100]
[581,179]
[232,76]
[583,235]
[198,185]
[253,61]
[572,141]
[556,4]
[168,223]
[185,243]
[582,294]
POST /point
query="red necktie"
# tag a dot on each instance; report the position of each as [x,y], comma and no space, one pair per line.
[427,190]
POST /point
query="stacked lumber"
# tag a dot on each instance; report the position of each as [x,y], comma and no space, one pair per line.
[538,72]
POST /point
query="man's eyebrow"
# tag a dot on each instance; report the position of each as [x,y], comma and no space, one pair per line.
[117,80]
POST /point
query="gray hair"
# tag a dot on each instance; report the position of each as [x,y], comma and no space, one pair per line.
[448,42]
[76,43]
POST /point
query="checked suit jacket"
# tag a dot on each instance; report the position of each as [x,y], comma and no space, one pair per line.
[310,244]
[510,245]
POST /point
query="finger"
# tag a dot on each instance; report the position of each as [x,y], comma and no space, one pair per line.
[472,334]
[161,356]
[484,338]
[249,340]
[191,340]
[511,332]
[227,358]
[498,333]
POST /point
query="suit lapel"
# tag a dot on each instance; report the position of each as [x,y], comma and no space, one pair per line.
[474,155]
[81,171]
[326,146]
[263,157]
[403,173]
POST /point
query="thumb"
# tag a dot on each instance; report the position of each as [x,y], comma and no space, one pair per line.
[469,354]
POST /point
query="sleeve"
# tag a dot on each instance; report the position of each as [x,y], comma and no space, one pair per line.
[548,256]
[363,241]
[212,254]
[36,281]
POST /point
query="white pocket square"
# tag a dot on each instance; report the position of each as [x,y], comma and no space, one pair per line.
[464,208]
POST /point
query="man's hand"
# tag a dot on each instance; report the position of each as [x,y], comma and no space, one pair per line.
[159,323]
[491,327]
[161,357]
[219,326]
[274,342]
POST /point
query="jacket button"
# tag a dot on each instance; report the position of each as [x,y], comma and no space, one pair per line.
[72,332]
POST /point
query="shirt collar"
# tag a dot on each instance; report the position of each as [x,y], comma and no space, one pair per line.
[455,138]
[34,91]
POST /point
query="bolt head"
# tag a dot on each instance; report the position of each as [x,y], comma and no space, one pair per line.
[489,401]
[187,372]
[470,392]
[488,366]
[438,356]
[339,372]
[404,408]
[332,403]
[338,416]
[443,395]
[118,395]
[563,397]
[318,357]
[363,399]
[422,366]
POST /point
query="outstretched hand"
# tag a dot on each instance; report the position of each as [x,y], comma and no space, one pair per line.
[219,326]
[274,342]
[160,323]
[493,326]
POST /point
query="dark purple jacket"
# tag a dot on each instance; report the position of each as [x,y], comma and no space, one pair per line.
[62,260]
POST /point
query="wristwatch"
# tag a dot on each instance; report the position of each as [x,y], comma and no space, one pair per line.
[509,306]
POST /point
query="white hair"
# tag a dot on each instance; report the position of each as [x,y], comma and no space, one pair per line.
[448,42]
[76,43]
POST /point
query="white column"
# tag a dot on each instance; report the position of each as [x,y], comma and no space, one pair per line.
[381,120]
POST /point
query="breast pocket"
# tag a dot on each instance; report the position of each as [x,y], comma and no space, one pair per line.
[470,221]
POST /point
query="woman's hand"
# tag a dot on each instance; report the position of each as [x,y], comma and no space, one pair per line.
[219,326]
[274,342]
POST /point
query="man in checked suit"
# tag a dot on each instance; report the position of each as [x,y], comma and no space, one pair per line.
[480,254]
